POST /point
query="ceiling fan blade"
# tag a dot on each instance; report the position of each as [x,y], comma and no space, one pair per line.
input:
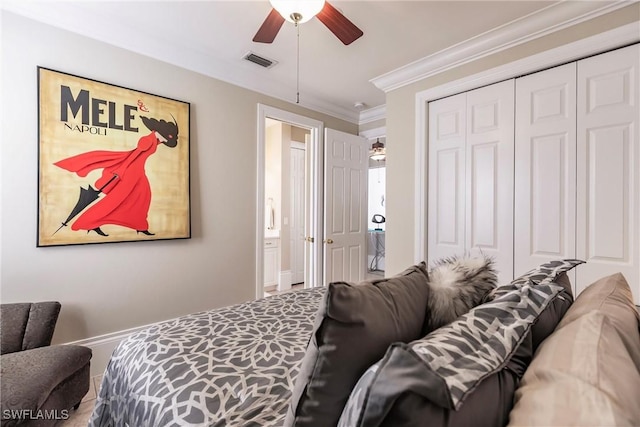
[339,25]
[270,27]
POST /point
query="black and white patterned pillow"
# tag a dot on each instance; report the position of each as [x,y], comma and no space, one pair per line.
[542,275]
[447,365]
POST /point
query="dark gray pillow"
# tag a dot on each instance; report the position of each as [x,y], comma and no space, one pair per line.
[464,373]
[354,326]
[457,285]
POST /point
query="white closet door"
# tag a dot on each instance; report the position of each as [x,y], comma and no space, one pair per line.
[489,176]
[446,223]
[608,186]
[545,168]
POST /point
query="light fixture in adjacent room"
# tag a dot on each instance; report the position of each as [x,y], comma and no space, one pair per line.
[378,152]
[297,11]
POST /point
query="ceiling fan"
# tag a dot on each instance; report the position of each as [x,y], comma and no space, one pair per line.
[299,11]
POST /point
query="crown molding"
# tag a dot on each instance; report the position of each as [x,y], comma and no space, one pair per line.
[373,114]
[370,134]
[592,45]
[69,16]
[552,18]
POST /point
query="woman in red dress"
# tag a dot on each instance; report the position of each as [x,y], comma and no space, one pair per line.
[123,180]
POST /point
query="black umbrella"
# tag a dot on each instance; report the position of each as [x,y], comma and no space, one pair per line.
[87,196]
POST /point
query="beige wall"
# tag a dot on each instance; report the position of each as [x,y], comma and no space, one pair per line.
[401,129]
[273,171]
[112,287]
[298,134]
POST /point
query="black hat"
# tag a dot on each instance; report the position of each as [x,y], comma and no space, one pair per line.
[169,131]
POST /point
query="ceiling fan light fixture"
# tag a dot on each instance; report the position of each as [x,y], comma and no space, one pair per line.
[297,11]
[378,152]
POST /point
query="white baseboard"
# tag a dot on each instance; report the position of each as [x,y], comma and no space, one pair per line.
[102,347]
[94,388]
[284,280]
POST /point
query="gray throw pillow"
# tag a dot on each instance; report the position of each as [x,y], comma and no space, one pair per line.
[457,285]
[354,326]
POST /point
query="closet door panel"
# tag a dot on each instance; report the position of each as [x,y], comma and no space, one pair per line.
[483,213]
[608,154]
[545,168]
[489,180]
[446,177]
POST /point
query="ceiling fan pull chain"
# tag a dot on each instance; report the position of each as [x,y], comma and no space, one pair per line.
[298,65]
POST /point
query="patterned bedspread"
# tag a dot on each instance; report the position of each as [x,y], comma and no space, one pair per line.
[234,366]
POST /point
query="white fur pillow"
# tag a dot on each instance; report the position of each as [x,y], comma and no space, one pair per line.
[457,285]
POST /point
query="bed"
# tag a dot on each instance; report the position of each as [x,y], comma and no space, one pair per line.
[230,366]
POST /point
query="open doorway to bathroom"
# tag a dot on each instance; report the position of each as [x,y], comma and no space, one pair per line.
[274,226]
[285,195]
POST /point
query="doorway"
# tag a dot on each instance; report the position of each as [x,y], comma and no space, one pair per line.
[288,216]
[377,220]
[376,205]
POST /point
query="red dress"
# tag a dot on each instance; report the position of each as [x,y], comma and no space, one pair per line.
[127,197]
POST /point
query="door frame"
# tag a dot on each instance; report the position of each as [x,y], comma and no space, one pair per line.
[315,174]
[612,39]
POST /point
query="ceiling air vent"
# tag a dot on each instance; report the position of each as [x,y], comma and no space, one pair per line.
[256,59]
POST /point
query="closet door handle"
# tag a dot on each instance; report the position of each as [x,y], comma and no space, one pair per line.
[329,241]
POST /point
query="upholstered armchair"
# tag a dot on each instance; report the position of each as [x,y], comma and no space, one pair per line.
[39,383]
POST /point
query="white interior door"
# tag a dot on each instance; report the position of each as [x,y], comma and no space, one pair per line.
[545,168]
[297,203]
[608,159]
[447,139]
[346,165]
[489,180]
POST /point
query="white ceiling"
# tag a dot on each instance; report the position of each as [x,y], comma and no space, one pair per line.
[211,37]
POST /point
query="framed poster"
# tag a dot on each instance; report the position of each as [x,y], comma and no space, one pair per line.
[113,163]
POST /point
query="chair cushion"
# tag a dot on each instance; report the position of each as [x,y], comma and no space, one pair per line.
[13,322]
[353,328]
[28,377]
[24,326]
